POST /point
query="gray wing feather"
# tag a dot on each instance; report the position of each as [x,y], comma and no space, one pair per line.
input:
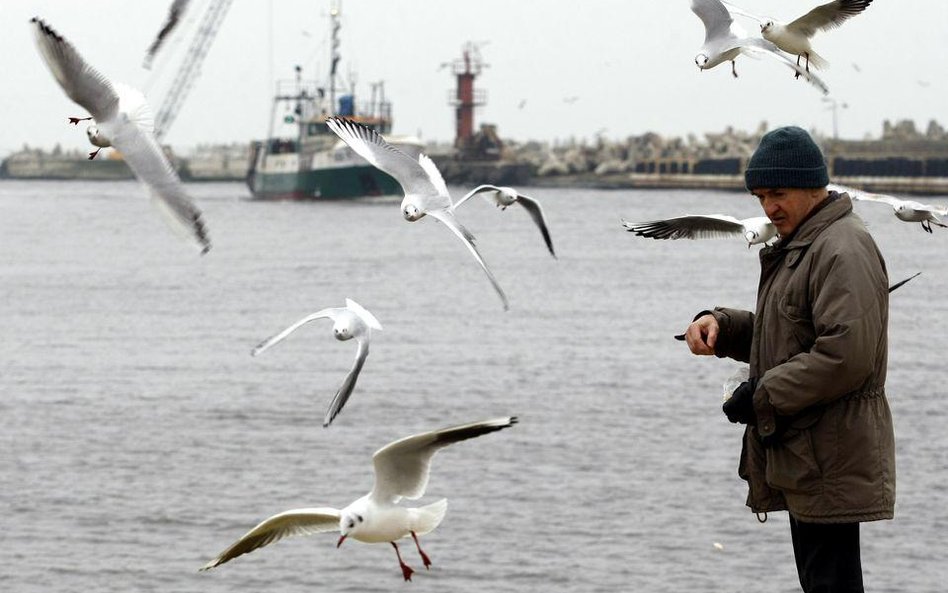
[81,82]
[278,337]
[477,190]
[688,227]
[402,467]
[286,524]
[716,18]
[174,17]
[536,213]
[146,159]
[827,16]
[368,144]
[759,45]
[452,223]
[342,395]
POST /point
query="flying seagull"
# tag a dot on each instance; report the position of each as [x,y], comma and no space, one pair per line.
[907,210]
[505,196]
[424,187]
[725,40]
[351,321]
[754,230]
[120,125]
[794,37]
[174,17]
[401,471]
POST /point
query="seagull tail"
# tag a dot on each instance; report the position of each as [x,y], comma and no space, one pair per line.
[818,61]
[427,518]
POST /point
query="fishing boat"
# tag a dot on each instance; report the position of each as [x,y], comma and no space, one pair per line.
[302,159]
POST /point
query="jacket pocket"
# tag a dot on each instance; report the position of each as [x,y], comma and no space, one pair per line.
[798,319]
[792,466]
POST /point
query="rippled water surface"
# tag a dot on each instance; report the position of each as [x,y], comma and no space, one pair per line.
[140,438]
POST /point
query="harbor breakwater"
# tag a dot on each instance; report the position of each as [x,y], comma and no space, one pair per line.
[902,160]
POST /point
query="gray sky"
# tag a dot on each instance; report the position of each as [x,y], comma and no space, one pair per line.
[629,63]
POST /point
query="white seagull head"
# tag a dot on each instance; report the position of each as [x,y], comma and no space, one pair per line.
[411,212]
[701,60]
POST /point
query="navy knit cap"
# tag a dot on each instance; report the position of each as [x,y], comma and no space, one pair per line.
[786,157]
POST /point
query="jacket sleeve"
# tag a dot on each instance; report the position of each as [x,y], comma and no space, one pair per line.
[735,332]
[849,308]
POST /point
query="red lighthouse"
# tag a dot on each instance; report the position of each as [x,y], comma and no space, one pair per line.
[466,98]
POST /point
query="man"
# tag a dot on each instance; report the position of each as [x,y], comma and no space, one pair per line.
[819,441]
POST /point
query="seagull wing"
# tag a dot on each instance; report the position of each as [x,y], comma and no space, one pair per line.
[827,16]
[342,395]
[705,226]
[716,18]
[740,11]
[445,216]
[901,282]
[286,524]
[864,196]
[277,338]
[934,209]
[174,16]
[477,190]
[535,211]
[443,199]
[364,313]
[760,46]
[368,144]
[402,467]
[146,159]
[81,82]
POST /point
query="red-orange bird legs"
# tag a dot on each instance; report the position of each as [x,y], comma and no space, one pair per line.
[406,570]
[424,557]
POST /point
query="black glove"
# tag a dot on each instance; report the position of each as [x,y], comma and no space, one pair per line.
[740,406]
[781,424]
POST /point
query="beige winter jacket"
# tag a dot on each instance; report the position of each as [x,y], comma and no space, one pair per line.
[818,346]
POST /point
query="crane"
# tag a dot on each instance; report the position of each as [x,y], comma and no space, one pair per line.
[191,66]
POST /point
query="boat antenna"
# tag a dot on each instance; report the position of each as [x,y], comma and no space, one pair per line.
[335,23]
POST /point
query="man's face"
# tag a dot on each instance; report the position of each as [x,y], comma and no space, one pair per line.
[787,207]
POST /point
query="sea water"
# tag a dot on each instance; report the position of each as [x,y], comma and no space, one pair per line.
[140,438]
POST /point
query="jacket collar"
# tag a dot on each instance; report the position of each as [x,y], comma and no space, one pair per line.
[838,206]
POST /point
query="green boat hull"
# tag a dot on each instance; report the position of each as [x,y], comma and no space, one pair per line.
[323,184]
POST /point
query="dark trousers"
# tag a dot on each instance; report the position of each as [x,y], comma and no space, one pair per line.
[827,556]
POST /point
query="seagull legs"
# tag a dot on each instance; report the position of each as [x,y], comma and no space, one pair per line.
[797,73]
[93,154]
[75,120]
[406,570]
[424,557]
[734,68]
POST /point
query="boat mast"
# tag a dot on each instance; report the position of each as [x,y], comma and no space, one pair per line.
[334,23]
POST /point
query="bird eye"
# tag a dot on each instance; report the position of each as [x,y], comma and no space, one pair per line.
[351,524]
[359,517]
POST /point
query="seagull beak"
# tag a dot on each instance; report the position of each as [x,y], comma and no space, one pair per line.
[341,539]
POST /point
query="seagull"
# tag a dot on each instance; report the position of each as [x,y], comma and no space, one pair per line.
[424,187]
[755,230]
[401,471]
[505,196]
[351,321]
[794,37]
[907,210]
[725,40]
[118,122]
[174,16]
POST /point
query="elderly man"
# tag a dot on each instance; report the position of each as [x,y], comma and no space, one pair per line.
[818,441]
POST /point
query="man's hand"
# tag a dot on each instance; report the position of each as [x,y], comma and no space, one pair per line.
[702,335]
[739,408]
